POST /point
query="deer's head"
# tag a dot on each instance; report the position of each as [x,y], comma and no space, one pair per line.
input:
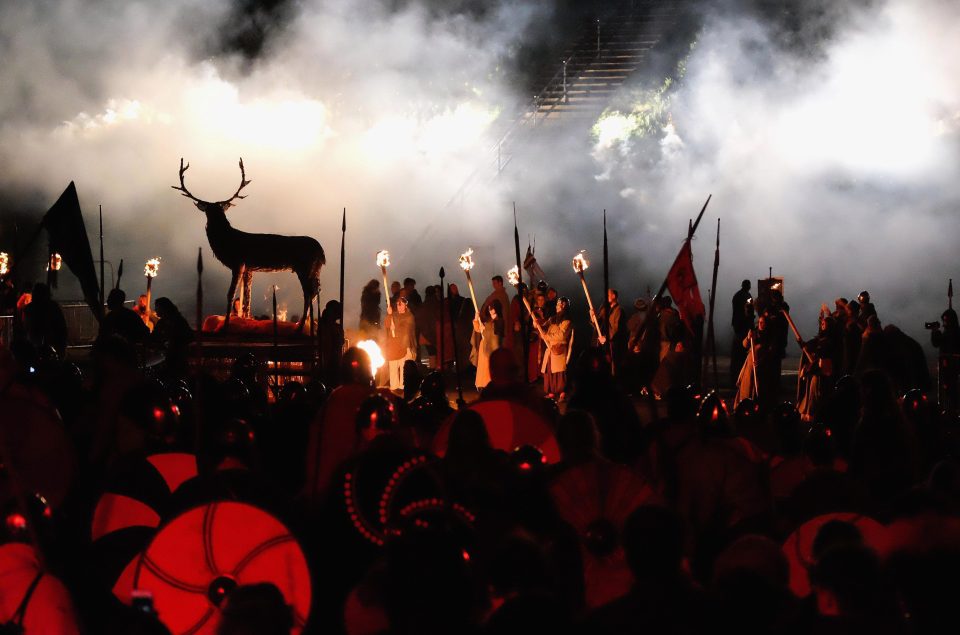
[207,207]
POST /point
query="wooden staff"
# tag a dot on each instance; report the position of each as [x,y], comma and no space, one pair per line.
[441,350]
[102,283]
[199,289]
[796,334]
[343,243]
[579,264]
[383,259]
[523,322]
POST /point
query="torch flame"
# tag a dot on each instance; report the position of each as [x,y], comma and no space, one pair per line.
[373,351]
[580,262]
[4,263]
[383,258]
[56,262]
[152,267]
[513,276]
[466,259]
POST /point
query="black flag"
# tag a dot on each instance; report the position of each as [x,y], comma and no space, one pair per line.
[68,237]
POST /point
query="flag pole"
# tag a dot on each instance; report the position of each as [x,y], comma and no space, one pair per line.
[441,350]
[343,242]
[691,230]
[456,353]
[199,289]
[523,320]
[711,352]
[606,294]
[102,283]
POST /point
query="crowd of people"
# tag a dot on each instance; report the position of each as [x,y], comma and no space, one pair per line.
[643,506]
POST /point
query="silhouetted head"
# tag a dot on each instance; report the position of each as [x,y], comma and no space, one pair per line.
[116,298]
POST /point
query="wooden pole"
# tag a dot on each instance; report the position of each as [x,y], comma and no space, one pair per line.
[102,279]
[586,292]
[276,347]
[199,289]
[119,273]
[441,349]
[523,320]
[711,352]
[343,252]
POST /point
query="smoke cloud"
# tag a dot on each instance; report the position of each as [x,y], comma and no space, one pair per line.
[829,144]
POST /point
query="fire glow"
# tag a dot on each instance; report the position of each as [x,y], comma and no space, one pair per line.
[513,276]
[466,260]
[4,263]
[56,262]
[580,262]
[372,350]
[152,268]
[383,258]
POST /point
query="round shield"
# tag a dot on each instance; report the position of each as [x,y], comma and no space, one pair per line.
[137,498]
[595,499]
[195,560]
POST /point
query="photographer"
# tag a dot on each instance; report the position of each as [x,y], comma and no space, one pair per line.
[948,364]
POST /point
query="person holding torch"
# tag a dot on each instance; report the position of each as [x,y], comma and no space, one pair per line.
[558,336]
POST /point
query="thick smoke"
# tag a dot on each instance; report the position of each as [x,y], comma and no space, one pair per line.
[828,139]
[362,105]
[831,155]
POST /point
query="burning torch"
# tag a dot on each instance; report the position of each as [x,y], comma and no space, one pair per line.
[53,266]
[466,263]
[580,264]
[4,263]
[383,261]
[150,270]
[513,277]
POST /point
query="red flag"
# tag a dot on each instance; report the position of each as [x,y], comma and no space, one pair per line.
[682,282]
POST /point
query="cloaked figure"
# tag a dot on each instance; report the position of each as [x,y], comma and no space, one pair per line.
[44,321]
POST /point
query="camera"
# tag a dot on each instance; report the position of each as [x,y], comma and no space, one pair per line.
[931,325]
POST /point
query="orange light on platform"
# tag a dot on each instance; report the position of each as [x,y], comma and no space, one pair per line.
[377,360]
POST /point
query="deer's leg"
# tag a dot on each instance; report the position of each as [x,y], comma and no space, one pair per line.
[246,292]
[310,284]
[231,293]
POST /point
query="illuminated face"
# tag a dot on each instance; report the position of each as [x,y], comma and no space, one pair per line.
[401,307]
[762,323]
[541,301]
[611,296]
[493,313]
[561,306]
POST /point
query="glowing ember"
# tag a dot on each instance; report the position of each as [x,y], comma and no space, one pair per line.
[4,263]
[383,258]
[152,267]
[580,262]
[56,262]
[513,276]
[373,351]
[466,260]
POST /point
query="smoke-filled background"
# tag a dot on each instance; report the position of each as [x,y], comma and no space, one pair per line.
[827,133]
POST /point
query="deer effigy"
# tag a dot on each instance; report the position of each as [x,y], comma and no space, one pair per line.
[243,253]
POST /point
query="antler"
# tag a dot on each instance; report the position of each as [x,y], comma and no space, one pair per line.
[183,186]
[243,183]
